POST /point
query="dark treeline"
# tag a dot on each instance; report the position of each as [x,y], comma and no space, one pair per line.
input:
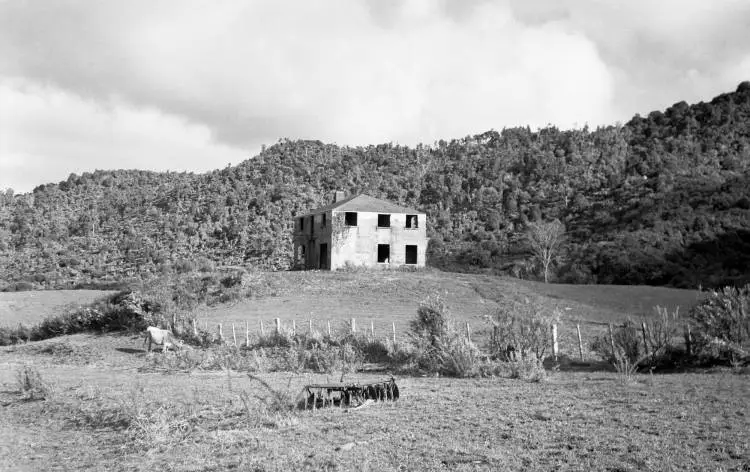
[661,200]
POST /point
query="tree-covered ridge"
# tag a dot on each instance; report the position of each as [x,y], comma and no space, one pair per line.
[662,199]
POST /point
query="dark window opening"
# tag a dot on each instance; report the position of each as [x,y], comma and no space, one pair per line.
[350,218]
[411,254]
[301,224]
[312,224]
[323,224]
[384,221]
[303,250]
[384,252]
[412,221]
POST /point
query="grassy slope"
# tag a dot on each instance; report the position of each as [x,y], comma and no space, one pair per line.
[382,298]
[32,307]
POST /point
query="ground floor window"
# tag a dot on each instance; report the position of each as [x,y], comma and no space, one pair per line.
[411,254]
[384,252]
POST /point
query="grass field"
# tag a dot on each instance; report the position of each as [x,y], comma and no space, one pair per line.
[111,409]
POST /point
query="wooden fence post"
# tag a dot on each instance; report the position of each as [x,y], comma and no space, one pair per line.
[234,336]
[329,328]
[262,331]
[580,343]
[468,331]
[278,325]
[309,326]
[554,341]
[354,326]
[645,338]
[394,332]
[612,341]
[372,329]
[247,334]
[221,334]
[294,328]
[688,341]
[195,328]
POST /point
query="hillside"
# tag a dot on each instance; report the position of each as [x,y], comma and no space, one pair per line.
[660,200]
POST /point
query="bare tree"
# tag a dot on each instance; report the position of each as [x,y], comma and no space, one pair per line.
[545,239]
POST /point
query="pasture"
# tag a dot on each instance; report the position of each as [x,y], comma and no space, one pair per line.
[111,408]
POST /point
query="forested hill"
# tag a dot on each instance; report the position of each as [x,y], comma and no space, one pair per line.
[660,200]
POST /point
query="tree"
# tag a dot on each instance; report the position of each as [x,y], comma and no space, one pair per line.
[545,239]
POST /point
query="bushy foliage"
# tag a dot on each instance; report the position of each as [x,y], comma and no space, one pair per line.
[31,385]
[721,321]
[521,331]
[659,200]
[438,346]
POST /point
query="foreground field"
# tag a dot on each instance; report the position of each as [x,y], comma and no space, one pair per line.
[112,411]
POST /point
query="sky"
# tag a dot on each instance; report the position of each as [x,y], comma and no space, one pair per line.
[193,85]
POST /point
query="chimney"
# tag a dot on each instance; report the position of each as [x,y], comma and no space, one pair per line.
[338,196]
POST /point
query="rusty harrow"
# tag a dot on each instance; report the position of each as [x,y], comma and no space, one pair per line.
[350,395]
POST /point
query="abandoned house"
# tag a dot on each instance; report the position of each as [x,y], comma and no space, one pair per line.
[359,230]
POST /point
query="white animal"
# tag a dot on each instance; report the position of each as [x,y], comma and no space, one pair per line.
[163,337]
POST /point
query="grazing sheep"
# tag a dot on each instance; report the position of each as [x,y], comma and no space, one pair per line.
[162,337]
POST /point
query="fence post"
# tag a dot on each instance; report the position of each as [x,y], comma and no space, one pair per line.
[309,326]
[221,334]
[195,328]
[688,341]
[645,338]
[468,331]
[278,325]
[234,336]
[294,328]
[580,343]
[394,332]
[554,341]
[354,326]
[329,328]
[262,331]
[612,341]
[247,334]
[372,329]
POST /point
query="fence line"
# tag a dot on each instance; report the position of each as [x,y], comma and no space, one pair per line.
[572,338]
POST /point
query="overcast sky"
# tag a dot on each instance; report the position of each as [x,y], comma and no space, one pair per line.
[196,85]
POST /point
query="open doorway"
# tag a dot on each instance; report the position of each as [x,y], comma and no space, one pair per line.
[323,263]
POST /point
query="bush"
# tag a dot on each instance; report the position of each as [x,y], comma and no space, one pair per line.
[438,346]
[723,319]
[521,330]
[31,385]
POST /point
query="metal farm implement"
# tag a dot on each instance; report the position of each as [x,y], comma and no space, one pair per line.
[352,395]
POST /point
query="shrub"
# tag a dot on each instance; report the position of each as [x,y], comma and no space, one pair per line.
[723,319]
[521,330]
[438,346]
[31,385]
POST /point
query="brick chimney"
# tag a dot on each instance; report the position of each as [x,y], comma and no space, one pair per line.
[338,196]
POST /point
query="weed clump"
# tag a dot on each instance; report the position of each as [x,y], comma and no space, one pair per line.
[31,385]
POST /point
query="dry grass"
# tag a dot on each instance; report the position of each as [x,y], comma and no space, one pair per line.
[122,420]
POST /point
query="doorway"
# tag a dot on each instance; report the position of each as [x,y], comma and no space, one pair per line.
[323,263]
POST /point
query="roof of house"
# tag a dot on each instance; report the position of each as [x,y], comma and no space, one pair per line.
[363,202]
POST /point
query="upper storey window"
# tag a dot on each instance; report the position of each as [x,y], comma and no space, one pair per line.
[350,218]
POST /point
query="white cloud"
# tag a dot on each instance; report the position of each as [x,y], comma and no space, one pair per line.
[353,72]
[49,133]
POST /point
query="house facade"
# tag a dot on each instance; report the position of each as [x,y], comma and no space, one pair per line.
[360,230]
